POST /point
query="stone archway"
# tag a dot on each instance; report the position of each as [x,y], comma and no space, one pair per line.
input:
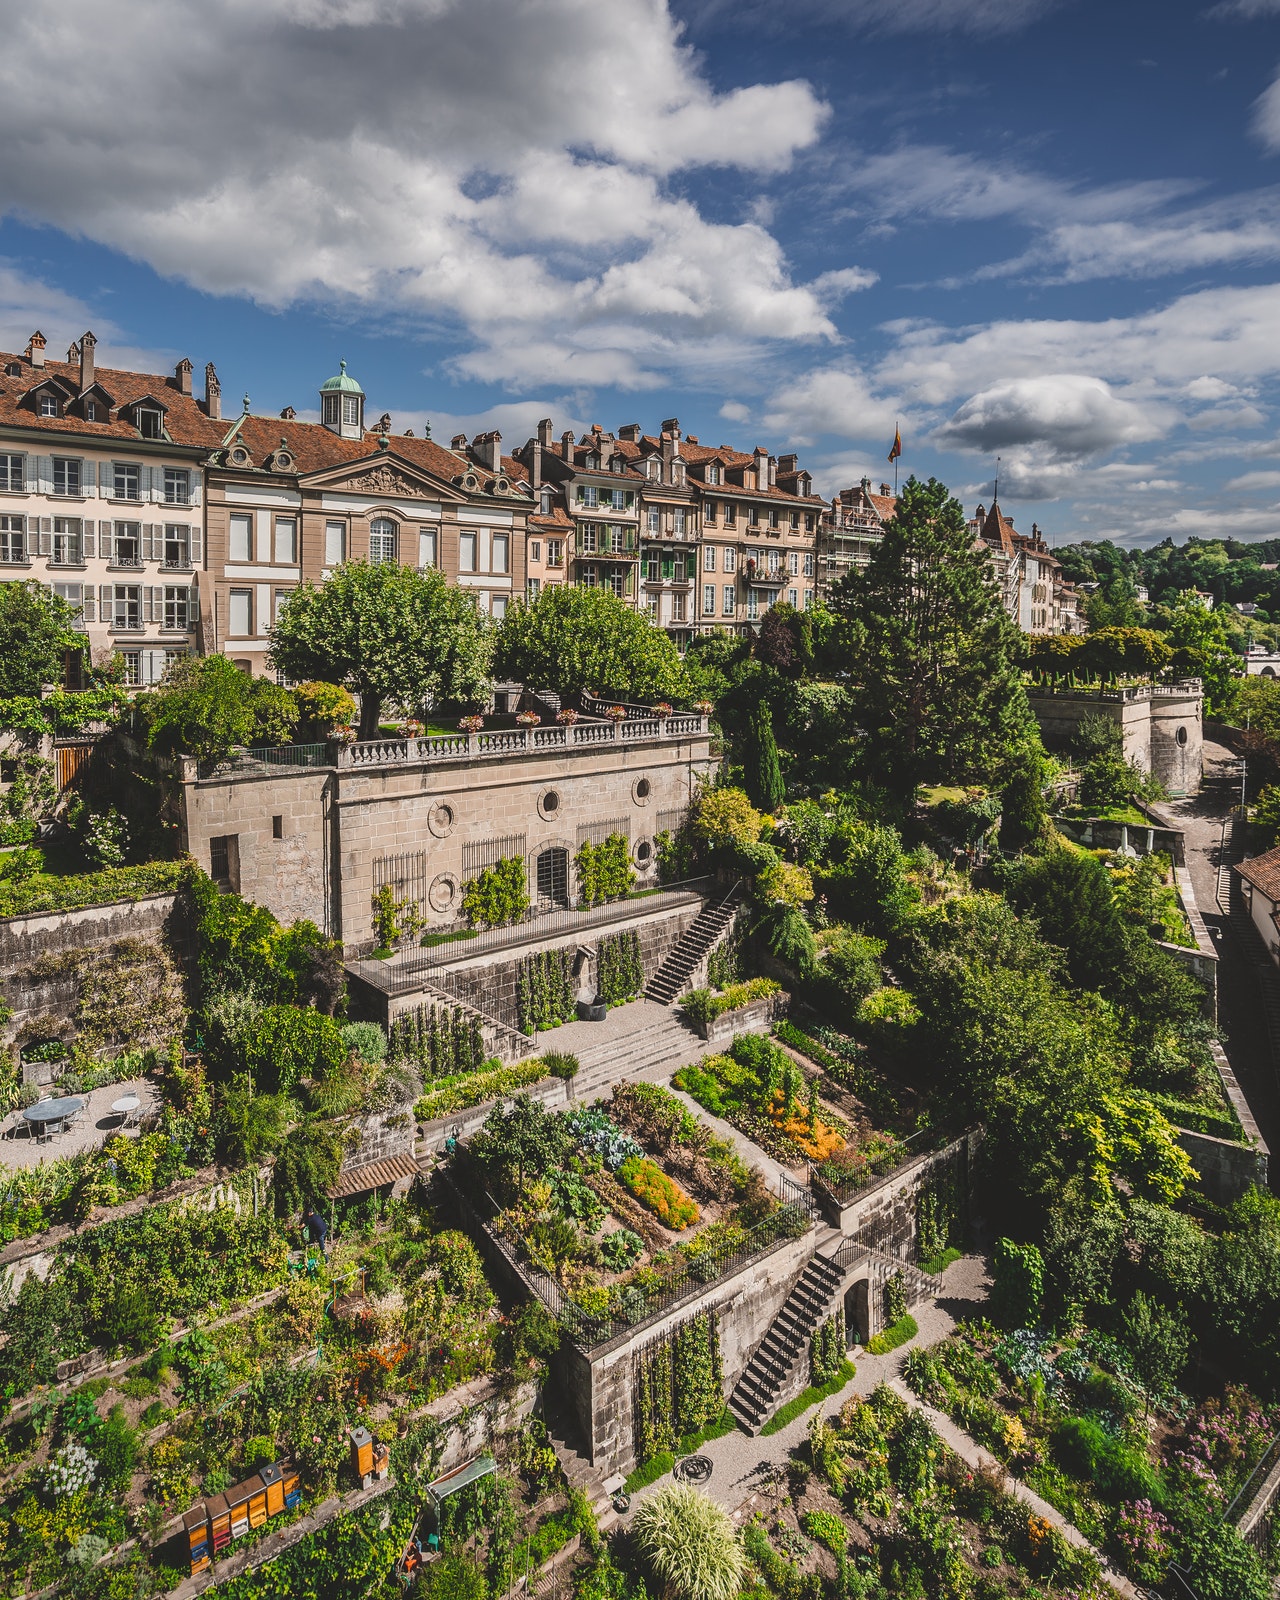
[857,1311]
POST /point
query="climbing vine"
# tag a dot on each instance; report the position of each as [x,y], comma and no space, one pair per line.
[498,895]
[939,1213]
[442,1040]
[679,1385]
[620,967]
[604,870]
[544,990]
[828,1349]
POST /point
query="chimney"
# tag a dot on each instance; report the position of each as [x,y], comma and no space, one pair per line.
[630,431]
[35,349]
[212,393]
[488,447]
[787,465]
[533,457]
[182,372]
[886,489]
[762,467]
[566,445]
[672,426]
[73,352]
[87,346]
[546,438]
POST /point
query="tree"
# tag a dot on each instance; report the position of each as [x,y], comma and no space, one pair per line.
[1017,1290]
[385,633]
[1069,893]
[207,706]
[934,654]
[1157,1340]
[689,1542]
[574,638]
[761,769]
[725,816]
[1201,648]
[36,636]
[1022,809]
[1111,653]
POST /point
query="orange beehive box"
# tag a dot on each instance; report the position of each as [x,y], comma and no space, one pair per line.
[361,1452]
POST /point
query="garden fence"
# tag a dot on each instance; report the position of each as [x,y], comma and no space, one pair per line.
[842,1190]
[1253,1509]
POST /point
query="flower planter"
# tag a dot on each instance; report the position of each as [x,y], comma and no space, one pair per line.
[756,1016]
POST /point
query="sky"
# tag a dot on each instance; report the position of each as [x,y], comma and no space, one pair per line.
[1041,230]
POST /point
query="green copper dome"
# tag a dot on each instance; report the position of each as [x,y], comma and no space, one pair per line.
[342,384]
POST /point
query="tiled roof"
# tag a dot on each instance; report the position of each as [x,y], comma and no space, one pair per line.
[886,505]
[997,530]
[1264,873]
[185,422]
[359,1180]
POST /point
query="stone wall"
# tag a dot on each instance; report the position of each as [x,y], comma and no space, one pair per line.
[1161,726]
[39,973]
[1227,1168]
[755,1017]
[884,1214]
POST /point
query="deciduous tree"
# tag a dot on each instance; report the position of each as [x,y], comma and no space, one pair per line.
[35,635]
[573,638]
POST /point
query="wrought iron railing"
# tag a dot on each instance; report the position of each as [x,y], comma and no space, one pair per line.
[265,757]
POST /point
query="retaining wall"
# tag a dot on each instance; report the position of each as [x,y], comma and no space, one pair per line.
[1227,1168]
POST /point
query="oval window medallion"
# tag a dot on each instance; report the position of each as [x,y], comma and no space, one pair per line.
[443,891]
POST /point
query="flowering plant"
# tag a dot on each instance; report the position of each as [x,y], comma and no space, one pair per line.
[662,709]
[1142,1537]
[410,728]
[344,733]
[616,713]
[567,717]
[71,1470]
[528,719]
[470,724]
[704,708]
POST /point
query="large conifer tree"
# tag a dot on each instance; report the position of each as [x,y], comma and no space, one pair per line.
[761,769]
[932,651]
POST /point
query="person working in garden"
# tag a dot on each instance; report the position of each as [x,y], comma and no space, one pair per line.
[316,1229]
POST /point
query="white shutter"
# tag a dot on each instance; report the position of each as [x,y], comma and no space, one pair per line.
[196,545]
[144,483]
[88,477]
[45,538]
[45,468]
[104,601]
[146,543]
[148,604]
[86,539]
[104,540]
[88,603]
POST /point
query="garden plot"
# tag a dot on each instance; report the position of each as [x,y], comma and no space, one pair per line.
[616,1201]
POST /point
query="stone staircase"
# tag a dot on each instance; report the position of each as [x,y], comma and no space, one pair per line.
[582,1475]
[673,975]
[658,1041]
[770,1376]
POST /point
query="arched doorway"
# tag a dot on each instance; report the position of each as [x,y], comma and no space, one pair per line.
[551,877]
[857,1312]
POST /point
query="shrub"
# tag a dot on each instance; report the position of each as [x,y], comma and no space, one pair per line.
[783,883]
[604,870]
[657,1193]
[1017,1293]
[621,1249]
[690,1544]
[447,1095]
[725,816]
[560,1064]
[288,1043]
[366,1039]
[701,1006]
[1121,1471]
[24,896]
[498,895]
[897,1333]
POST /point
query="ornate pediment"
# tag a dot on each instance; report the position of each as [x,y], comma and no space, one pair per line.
[387,481]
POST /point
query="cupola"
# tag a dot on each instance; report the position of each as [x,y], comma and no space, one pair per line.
[342,405]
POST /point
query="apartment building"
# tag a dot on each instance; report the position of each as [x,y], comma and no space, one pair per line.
[849,531]
[289,501]
[1034,592]
[102,497]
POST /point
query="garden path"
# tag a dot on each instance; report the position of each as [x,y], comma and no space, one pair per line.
[973,1455]
[96,1126]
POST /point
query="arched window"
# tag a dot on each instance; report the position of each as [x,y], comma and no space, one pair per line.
[382,542]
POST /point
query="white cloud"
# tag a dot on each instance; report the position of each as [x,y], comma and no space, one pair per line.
[1070,414]
[498,166]
[1266,116]
[1242,10]
[1256,480]
[735,411]
[879,16]
[837,401]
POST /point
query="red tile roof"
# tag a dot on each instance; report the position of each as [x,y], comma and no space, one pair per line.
[185,421]
[1264,873]
[359,1180]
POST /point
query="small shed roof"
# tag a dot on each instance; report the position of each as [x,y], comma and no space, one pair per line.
[460,1477]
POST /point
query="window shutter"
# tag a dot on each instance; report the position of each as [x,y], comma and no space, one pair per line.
[148,542]
[44,467]
[86,538]
[45,536]
[148,604]
[196,545]
[104,602]
[88,603]
[104,540]
[144,482]
[88,477]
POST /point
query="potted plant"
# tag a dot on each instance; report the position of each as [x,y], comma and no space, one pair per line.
[410,728]
[472,724]
[616,713]
[344,733]
[662,709]
[704,708]
[567,717]
[527,719]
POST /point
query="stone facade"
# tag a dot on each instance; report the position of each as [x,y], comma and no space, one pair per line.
[1161,725]
[424,816]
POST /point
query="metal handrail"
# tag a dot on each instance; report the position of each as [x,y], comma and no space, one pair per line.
[1265,1461]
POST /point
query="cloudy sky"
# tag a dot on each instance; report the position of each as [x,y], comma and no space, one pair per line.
[1044,230]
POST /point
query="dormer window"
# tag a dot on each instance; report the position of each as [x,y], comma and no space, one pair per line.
[48,406]
[342,405]
[150,423]
[713,472]
[91,411]
[13,369]
[544,504]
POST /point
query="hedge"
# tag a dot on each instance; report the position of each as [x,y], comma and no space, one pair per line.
[701,1006]
[473,1088]
[44,892]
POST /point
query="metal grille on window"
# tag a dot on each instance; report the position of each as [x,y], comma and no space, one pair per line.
[488,852]
[406,873]
[671,821]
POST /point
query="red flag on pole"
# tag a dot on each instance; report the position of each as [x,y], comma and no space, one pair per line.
[896,451]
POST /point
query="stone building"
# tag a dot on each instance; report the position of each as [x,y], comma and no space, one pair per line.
[1161,724]
[102,497]
[850,530]
[1034,592]
[426,815]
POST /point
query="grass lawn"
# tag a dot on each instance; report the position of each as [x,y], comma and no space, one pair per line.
[809,1397]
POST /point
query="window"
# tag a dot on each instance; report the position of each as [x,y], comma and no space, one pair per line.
[176,551]
[170,656]
[177,608]
[466,552]
[709,599]
[709,514]
[615,580]
[678,568]
[589,495]
[177,486]
[90,411]
[335,543]
[753,516]
[126,606]
[382,534]
[808,522]
[66,548]
[73,594]
[281,601]
[12,477]
[501,561]
[793,595]
[428,553]
[795,521]
[240,613]
[66,475]
[535,550]
[775,563]
[588,536]
[150,424]
[731,561]
[773,518]
[651,572]
[277,827]
[808,599]
[534,586]
[126,481]
[588,577]
[618,499]
[728,599]
[730,514]
[132,660]
[713,472]
[48,405]
[286,541]
[616,539]
[555,552]
[679,517]
[753,604]
[126,545]
[351,409]
[677,608]
[332,410]
[499,607]
[808,563]
[240,544]
[544,502]
[709,558]
[793,563]
[653,522]
[13,539]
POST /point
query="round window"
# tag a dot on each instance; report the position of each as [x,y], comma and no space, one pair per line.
[641,791]
[441,819]
[551,802]
[443,891]
[1181,736]
[644,853]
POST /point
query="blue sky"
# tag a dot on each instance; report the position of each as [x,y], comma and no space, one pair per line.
[1044,231]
